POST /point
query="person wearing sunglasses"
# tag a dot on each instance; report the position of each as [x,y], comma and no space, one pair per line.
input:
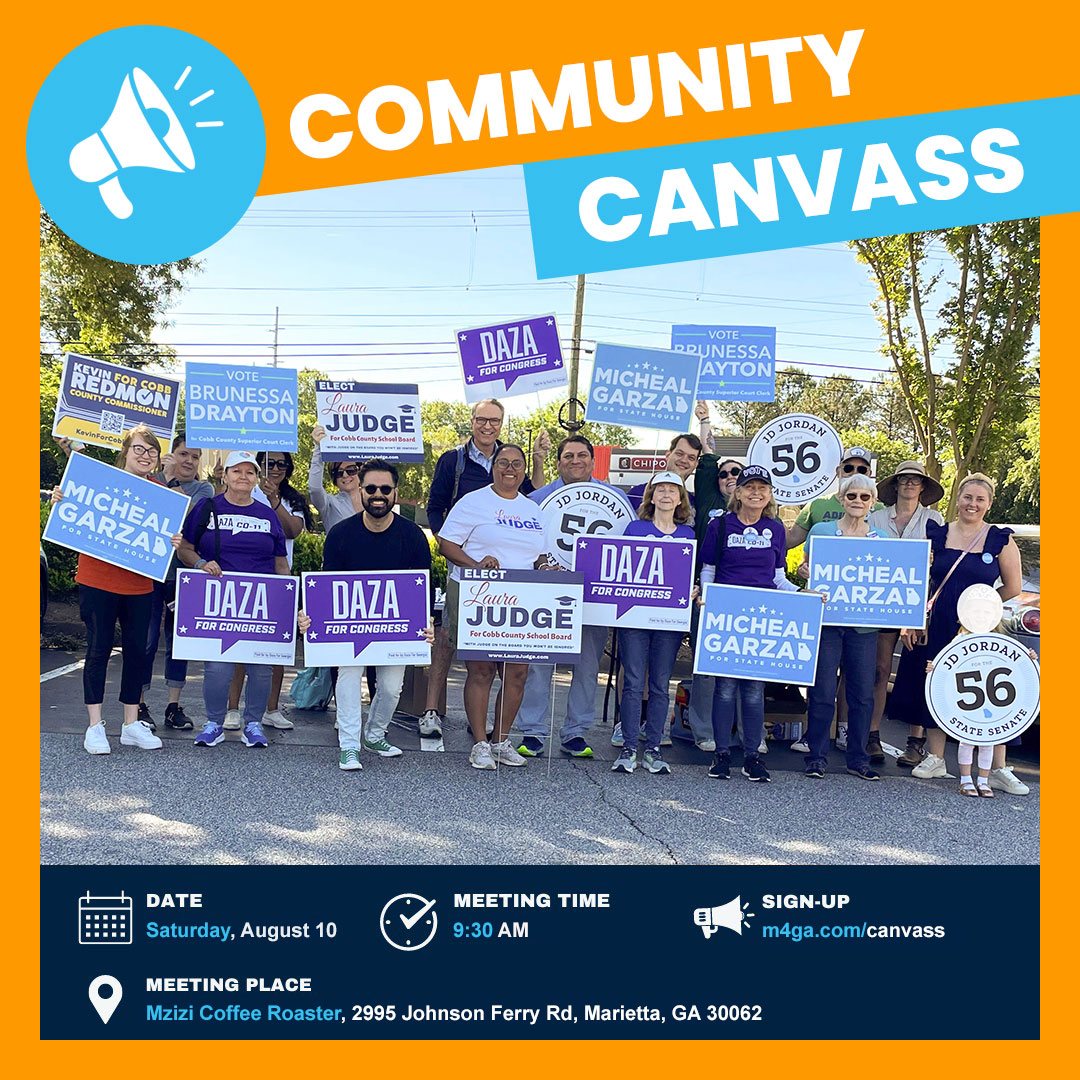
[495,528]
[855,462]
[109,594]
[374,539]
[852,647]
[345,475]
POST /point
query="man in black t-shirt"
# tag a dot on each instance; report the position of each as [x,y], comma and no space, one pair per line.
[377,539]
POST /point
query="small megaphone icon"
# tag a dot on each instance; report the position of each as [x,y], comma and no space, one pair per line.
[127,139]
[730,916]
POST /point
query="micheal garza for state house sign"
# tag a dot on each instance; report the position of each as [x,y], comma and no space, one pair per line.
[524,616]
[373,617]
[636,581]
[575,510]
[652,388]
[239,618]
[801,452]
[116,517]
[983,689]
[759,634]
[876,583]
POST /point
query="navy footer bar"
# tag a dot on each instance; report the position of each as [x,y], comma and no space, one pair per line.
[560,952]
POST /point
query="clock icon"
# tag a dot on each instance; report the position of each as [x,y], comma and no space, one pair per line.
[408,921]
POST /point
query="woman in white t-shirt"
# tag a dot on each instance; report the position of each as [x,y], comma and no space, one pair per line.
[494,528]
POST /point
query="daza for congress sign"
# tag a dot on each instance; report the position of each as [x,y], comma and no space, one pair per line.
[511,358]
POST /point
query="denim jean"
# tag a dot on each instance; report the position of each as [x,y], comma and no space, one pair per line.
[701,691]
[842,646]
[217,675]
[747,697]
[534,717]
[175,670]
[389,680]
[654,650]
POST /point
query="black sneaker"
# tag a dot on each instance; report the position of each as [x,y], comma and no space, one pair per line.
[175,717]
[145,717]
[865,773]
[755,772]
[531,746]
[815,770]
[873,748]
[720,769]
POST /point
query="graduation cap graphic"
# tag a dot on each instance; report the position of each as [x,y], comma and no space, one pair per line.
[566,601]
[407,408]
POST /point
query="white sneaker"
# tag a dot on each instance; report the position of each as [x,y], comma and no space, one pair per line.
[801,746]
[480,756]
[617,735]
[277,719]
[930,768]
[763,749]
[233,720]
[95,740]
[841,737]
[505,753]
[431,725]
[708,745]
[140,735]
[1003,779]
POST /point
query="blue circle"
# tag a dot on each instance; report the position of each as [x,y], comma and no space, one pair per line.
[183,180]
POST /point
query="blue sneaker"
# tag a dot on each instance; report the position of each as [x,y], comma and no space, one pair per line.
[252,735]
[210,735]
[531,746]
[617,735]
[577,748]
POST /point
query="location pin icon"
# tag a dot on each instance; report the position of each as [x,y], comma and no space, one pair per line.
[105,1004]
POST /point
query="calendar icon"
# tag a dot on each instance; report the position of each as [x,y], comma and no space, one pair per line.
[105,920]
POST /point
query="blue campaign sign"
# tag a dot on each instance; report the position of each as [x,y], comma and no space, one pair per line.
[759,634]
[736,363]
[652,388]
[116,517]
[871,582]
[248,407]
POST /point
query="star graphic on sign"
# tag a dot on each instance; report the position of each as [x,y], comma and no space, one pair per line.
[462,337]
[558,363]
[772,611]
[583,544]
[186,578]
[879,558]
[419,581]
[686,551]
[551,322]
[420,633]
[311,583]
[312,635]
[288,586]
[682,599]
[127,493]
[182,629]
[645,366]
[469,378]
[762,609]
[243,431]
[286,634]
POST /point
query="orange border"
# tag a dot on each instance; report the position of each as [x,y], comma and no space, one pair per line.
[953,58]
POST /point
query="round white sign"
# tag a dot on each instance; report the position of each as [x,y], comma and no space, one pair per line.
[983,689]
[802,454]
[582,510]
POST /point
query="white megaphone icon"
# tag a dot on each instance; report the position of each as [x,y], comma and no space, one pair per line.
[127,139]
[729,916]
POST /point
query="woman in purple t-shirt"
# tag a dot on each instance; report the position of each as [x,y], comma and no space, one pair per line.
[746,546]
[663,514]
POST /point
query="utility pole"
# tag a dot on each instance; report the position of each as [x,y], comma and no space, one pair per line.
[575,346]
[277,312]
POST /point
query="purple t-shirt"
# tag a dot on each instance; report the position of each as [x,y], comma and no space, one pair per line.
[745,554]
[648,528]
[248,537]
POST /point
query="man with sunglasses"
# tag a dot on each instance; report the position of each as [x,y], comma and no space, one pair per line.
[856,462]
[458,472]
[375,539]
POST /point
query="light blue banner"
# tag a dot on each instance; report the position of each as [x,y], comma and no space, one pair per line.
[759,634]
[245,408]
[652,388]
[791,188]
[116,517]
[879,583]
[736,363]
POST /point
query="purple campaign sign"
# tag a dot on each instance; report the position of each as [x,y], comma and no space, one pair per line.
[634,581]
[243,618]
[372,617]
[511,358]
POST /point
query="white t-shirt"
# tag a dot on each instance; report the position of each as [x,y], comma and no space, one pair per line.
[259,495]
[484,523]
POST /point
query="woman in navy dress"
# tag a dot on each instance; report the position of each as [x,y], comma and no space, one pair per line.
[982,553]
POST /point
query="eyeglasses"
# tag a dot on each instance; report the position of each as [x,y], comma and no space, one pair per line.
[725,473]
[863,469]
[382,489]
[276,463]
[861,496]
[349,470]
[909,478]
[144,451]
[488,421]
[513,464]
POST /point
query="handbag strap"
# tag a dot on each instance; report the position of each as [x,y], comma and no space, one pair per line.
[974,540]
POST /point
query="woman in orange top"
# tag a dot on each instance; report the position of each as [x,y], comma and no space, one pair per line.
[108,593]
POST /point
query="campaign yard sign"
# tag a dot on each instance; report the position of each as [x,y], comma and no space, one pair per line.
[116,517]
[736,363]
[635,581]
[759,634]
[240,406]
[582,509]
[373,617]
[368,420]
[241,618]
[98,402]
[522,616]
[876,583]
[511,358]
[652,388]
